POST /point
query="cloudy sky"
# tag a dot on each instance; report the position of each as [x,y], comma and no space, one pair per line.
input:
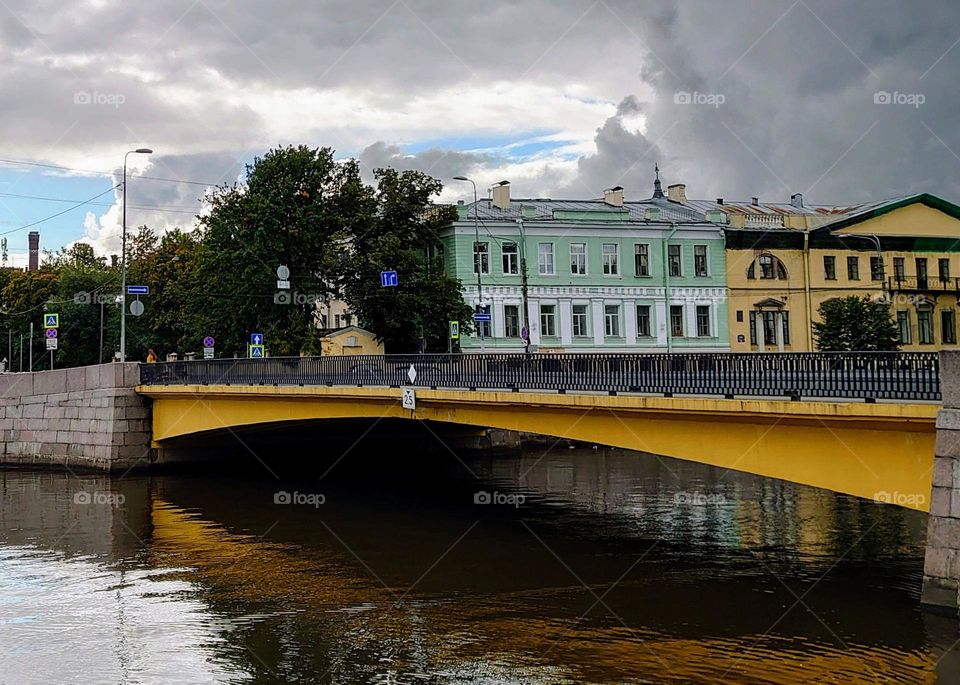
[842,100]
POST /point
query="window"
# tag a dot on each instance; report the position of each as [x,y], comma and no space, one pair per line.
[676,320]
[853,268]
[770,268]
[943,268]
[739,316]
[700,260]
[580,329]
[769,321]
[578,259]
[545,259]
[548,319]
[903,326]
[643,320]
[611,320]
[898,270]
[511,321]
[830,267]
[641,259]
[511,262]
[703,321]
[483,327]
[921,263]
[948,327]
[481,258]
[876,268]
[673,260]
[925,326]
[611,259]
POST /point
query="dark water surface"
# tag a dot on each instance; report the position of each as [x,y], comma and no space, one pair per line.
[588,566]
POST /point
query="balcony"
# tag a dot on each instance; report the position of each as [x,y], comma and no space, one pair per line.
[914,284]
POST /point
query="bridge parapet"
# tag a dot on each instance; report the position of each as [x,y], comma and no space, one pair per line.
[941,571]
[86,417]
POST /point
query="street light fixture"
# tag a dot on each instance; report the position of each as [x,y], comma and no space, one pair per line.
[123,256]
[476,255]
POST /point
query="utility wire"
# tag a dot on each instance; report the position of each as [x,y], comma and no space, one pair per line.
[103,173]
[68,209]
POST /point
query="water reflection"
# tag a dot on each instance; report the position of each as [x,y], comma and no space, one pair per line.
[617,567]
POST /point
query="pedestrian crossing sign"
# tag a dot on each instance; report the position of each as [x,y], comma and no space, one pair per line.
[256,352]
[51,321]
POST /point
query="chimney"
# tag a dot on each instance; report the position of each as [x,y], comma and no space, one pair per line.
[501,195]
[677,192]
[33,240]
[755,201]
[797,200]
[613,196]
[719,200]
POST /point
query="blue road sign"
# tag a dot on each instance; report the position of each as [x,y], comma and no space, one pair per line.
[138,290]
[208,341]
[51,321]
[482,317]
[256,351]
[51,332]
[256,338]
[388,278]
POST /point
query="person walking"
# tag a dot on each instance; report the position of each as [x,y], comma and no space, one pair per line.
[151,356]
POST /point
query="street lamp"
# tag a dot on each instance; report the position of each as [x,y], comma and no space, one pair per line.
[476,255]
[123,256]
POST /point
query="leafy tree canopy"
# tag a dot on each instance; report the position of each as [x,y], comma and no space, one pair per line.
[855,324]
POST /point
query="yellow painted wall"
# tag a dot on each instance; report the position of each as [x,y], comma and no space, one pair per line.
[856,448]
[913,220]
[337,343]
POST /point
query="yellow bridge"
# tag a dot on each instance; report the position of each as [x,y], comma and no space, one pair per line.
[882,450]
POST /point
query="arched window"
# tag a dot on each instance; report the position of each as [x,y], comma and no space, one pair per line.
[770,268]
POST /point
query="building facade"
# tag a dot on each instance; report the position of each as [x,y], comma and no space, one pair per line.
[601,275]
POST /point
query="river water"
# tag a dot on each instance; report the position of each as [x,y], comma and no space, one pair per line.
[554,565]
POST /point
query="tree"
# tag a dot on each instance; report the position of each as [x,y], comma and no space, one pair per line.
[854,323]
[296,208]
[402,236]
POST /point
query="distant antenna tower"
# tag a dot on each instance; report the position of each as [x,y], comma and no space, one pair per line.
[3,249]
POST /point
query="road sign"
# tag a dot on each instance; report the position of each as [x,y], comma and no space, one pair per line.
[256,352]
[138,290]
[283,285]
[208,353]
[136,307]
[388,279]
[283,273]
[256,338]
[454,330]
[482,317]
[412,374]
[409,398]
[51,343]
[50,332]
[208,341]
[51,321]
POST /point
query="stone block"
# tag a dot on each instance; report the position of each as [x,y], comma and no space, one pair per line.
[33,411]
[941,501]
[950,377]
[50,382]
[76,379]
[140,438]
[16,384]
[131,375]
[141,413]
[940,592]
[947,443]
[943,532]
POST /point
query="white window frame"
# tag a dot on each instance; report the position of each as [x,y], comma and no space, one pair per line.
[615,317]
[514,258]
[650,320]
[478,255]
[553,320]
[540,261]
[586,332]
[583,255]
[615,271]
[706,260]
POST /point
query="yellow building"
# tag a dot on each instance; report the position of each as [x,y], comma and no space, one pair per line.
[350,340]
[784,261]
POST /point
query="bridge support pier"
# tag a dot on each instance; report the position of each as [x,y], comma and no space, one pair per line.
[941,569]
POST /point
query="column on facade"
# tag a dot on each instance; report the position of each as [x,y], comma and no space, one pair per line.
[566,322]
[534,322]
[690,314]
[498,329]
[630,321]
[758,324]
[661,323]
[778,327]
[597,306]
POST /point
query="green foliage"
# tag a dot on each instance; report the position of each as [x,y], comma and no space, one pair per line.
[855,324]
[402,236]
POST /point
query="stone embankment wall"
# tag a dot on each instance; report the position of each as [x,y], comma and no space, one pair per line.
[83,418]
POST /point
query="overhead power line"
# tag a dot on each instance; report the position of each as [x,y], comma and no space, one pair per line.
[58,167]
[54,216]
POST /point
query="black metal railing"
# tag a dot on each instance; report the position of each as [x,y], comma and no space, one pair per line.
[933,284]
[853,375]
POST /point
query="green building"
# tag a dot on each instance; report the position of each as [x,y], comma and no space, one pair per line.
[604,275]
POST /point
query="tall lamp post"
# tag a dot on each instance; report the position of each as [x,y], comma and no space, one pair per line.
[123,256]
[476,255]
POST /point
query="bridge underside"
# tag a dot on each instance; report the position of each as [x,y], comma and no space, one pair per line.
[878,451]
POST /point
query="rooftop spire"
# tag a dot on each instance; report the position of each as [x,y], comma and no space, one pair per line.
[657,189]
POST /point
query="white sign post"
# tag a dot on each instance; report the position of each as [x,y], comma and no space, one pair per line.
[409,397]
